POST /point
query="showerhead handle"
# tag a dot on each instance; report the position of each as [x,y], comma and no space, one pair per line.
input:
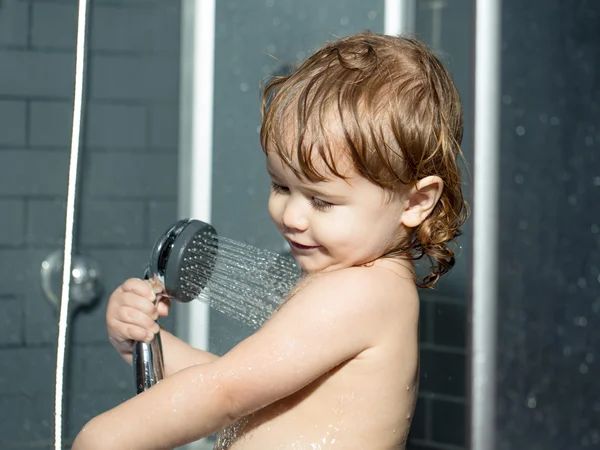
[172,255]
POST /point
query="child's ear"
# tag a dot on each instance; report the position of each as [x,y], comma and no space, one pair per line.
[421,199]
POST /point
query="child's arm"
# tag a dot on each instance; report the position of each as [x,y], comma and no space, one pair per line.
[130,317]
[330,320]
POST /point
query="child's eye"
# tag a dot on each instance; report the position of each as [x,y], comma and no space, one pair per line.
[278,189]
[320,205]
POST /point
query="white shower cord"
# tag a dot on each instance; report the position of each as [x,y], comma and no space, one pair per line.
[70,219]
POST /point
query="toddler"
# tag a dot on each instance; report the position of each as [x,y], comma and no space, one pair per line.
[361,142]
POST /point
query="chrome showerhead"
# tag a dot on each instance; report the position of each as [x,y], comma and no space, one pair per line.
[176,251]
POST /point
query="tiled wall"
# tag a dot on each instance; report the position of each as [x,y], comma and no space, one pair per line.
[128,187]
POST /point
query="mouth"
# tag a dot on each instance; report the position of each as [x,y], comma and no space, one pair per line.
[298,246]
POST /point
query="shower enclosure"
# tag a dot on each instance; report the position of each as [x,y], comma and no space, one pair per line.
[134,141]
[170,129]
[148,80]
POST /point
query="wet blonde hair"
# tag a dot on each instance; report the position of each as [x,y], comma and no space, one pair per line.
[400,119]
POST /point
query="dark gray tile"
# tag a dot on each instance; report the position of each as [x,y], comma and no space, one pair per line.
[54,25]
[449,422]
[120,27]
[27,172]
[110,223]
[450,325]
[13,23]
[12,120]
[12,225]
[116,126]
[129,175]
[32,74]
[26,421]
[443,372]
[138,78]
[51,124]
[164,127]
[46,222]
[27,371]
[426,323]
[11,322]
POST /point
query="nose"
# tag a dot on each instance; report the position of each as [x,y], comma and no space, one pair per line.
[294,215]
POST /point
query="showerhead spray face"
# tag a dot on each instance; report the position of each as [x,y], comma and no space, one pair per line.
[175,253]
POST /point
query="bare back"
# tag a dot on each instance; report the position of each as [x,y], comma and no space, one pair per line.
[367,401]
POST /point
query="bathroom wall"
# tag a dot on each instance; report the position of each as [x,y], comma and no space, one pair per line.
[257,38]
[549,271]
[127,195]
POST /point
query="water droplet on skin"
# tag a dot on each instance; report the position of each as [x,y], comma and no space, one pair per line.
[408,417]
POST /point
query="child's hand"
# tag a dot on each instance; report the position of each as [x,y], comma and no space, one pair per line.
[132,312]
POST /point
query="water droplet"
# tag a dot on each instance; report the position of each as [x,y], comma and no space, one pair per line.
[520,130]
[244,87]
[344,20]
[583,368]
[372,15]
[531,402]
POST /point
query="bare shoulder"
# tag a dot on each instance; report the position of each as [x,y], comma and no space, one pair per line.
[372,292]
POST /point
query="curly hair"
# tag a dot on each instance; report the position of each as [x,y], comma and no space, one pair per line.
[401,121]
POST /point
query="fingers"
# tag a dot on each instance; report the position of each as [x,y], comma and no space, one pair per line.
[139,287]
[135,317]
[163,306]
[131,313]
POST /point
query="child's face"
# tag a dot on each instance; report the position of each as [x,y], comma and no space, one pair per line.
[333,224]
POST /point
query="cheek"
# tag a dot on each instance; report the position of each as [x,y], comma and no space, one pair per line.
[274,208]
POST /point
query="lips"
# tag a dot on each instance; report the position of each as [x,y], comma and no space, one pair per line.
[302,247]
